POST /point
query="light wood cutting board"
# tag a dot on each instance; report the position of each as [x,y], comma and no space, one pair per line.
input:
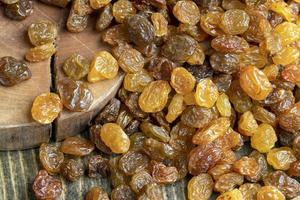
[17,128]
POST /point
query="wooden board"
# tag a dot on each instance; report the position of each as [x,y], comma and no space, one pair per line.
[85,43]
[18,169]
[17,128]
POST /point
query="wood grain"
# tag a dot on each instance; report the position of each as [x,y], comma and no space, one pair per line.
[85,43]
[18,169]
[17,128]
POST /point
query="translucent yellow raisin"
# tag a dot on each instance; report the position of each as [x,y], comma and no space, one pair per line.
[206,93]
[263,138]
[223,105]
[103,66]
[175,108]
[46,108]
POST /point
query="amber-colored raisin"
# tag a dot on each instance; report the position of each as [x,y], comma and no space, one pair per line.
[263,138]
[103,66]
[131,60]
[247,166]
[200,186]
[206,93]
[203,158]
[290,120]
[51,158]
[160,24]
[154,96]
[115,138]
[75,22]
[136,82]
[217,171]
[42,32]
[229,44]
[182,80]
[187,12]
[255,83]
[217,128]
[269,192]
[235,21]
[228,182]
[40,53]
[46,186]
[76,146]
[249,190]
[123,9]
[75,95]
[281,158]
[247,124]
[96,4]
[231,195]
[163,174]
[46,108]
[175,108]
[97,193]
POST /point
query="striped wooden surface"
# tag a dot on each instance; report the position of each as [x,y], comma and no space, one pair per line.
[18,169]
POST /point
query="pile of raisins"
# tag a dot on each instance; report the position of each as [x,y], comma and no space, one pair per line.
[204,80]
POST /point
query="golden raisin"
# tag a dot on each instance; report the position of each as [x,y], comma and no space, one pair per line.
[160,24]
[182,80]
[269,193]
[96,4]
[281,158]
[46,108]
[136,82]
[286,56]
[255,83]
[246,166]
[231,195]
[175,108]
[154,96]
[42,32]
[247,124]
[123,9]
[271,71]
[40,53]
[288,32]
[263,138]
[103,66]
[187,12]
[284,10]
[115,138]
[206,93]
[215,129]
[200,186]
[223,105]
[198,57]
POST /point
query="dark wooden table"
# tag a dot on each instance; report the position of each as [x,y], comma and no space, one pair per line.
[18,169]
